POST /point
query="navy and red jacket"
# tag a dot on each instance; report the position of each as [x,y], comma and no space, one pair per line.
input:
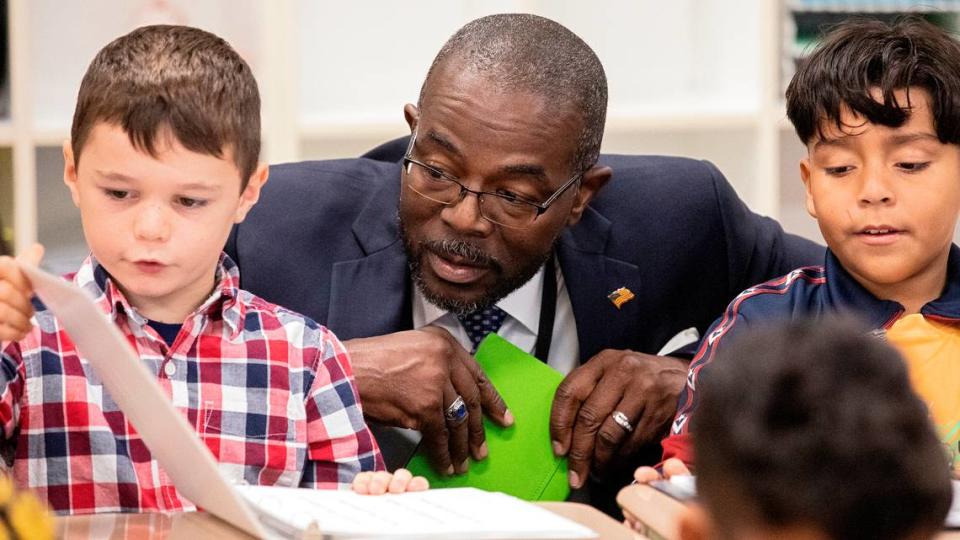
[811,291]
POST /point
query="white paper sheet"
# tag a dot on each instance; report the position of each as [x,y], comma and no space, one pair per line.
[436,513]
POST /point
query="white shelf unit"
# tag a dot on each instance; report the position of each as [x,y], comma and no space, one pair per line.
[699,78]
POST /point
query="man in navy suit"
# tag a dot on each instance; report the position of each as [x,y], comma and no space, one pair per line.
[499,217]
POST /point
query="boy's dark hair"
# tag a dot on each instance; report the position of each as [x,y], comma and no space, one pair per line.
[861,56]
[173,77]
[814,424]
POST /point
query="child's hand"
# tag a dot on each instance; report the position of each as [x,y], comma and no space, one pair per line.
[378,483]
[645,475]
[15,293]
[671,467]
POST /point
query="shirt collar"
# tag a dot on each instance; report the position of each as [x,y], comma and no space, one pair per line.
[523,304]
[94,279]
[948,304]
[845,290]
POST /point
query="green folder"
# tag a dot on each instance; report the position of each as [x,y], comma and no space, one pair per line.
[521,461]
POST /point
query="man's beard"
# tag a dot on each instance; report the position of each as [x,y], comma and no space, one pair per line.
[506,281]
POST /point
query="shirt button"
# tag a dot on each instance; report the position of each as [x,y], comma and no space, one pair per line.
[170,369]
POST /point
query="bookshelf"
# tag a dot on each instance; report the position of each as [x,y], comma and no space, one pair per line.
[699,78]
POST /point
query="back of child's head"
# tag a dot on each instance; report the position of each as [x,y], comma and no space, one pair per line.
[176,80]
[814,425]
[859,58]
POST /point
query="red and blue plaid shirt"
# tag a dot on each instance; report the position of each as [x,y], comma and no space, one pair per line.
[269,391]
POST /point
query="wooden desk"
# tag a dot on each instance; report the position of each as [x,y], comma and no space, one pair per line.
[193,525]
[660,512]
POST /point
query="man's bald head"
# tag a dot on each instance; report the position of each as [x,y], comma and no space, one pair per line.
[527,53]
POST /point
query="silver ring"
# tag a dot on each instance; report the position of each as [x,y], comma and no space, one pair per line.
[456,412]
[622,421]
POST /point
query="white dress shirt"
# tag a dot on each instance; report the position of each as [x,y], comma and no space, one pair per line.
[521,324]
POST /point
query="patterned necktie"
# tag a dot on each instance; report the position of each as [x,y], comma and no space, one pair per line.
[481,322]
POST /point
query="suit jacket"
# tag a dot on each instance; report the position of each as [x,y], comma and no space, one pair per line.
[323,240]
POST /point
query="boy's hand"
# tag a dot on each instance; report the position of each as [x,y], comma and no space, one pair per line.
[671,467]
[645,475]
[378,483]
[15,293]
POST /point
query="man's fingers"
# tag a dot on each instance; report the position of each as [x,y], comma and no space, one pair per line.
[459,437]
[436,438]
[612,435]
[566,403]
[466,385]
[594,411]
[490,400]
[659,409]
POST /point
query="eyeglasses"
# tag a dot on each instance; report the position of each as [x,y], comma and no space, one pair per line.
[503,208]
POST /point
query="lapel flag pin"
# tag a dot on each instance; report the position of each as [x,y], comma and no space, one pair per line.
[621,296]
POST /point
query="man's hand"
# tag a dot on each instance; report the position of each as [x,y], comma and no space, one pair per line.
[643,387]
[15,293]
[408,379]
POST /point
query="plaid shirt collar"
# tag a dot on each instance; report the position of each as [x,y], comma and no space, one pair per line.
[94,278]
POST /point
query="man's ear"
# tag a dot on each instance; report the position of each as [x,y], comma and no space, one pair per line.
[251,194]
[412,114]
[70,172]
[694,523]
[805,176]
[595,178]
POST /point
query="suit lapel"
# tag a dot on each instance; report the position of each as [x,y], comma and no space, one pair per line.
[590,276]
[370,296]
[365,301]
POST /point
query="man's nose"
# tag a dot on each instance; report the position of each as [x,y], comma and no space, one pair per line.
[465,216]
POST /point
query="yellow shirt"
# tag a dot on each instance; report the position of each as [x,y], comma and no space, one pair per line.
[932,352]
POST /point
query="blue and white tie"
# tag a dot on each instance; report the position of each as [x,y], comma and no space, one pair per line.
[482,322]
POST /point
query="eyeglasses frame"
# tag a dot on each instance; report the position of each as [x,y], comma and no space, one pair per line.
[408,159]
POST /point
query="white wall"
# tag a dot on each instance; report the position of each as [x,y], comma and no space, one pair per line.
[686,77]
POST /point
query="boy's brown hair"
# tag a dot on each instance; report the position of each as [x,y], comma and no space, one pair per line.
[173,77]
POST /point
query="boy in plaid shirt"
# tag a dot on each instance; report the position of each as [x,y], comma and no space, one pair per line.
[162,161]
